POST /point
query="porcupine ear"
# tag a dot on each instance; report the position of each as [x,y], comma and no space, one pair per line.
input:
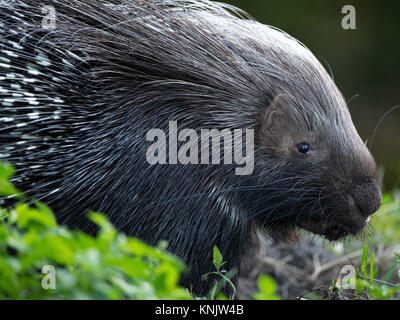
[278,115]
[280,125]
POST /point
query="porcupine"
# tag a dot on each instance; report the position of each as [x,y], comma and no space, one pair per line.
[77,100]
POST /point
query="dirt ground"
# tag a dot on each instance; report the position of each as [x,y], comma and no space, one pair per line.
[307,268]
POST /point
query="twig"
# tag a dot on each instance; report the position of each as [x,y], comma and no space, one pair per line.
[334,263]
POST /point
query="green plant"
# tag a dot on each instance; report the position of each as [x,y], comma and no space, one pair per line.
[266,284]
[368,286]
[109,265]
[223,274]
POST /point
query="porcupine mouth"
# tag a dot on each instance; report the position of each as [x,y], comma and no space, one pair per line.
[345,224]
[334,231]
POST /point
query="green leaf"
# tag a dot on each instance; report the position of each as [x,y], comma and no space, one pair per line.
[6,188]
[217,256]
[31,217]
[371,268]
[364,261]
[267,288]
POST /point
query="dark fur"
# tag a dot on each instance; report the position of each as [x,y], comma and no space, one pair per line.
[137,67]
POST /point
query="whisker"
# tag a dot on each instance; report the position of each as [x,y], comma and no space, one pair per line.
[378,125]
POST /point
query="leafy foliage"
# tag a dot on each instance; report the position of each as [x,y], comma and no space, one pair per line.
[107,266]
[368,286]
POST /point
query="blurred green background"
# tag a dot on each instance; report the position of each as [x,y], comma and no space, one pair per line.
[365,61]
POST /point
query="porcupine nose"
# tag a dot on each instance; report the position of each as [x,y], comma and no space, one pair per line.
[366,197]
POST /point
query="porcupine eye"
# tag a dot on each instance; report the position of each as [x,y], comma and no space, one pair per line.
[303,148]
